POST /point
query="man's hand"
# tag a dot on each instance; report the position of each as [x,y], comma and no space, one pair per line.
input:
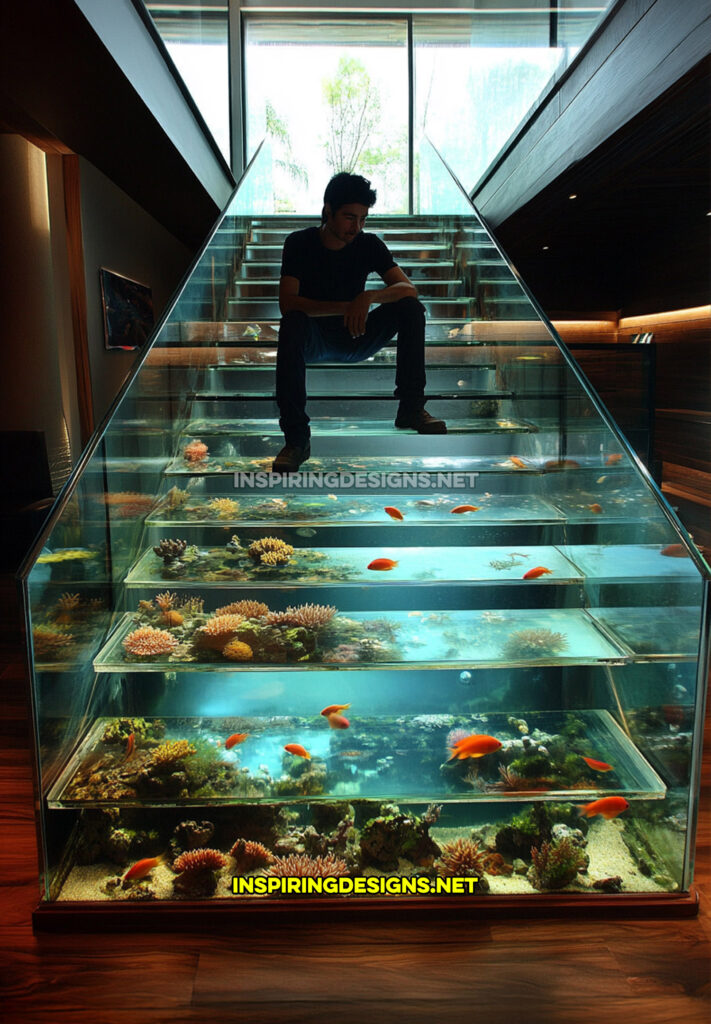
[357,313]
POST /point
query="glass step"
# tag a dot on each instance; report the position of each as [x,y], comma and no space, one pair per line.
[376,758]
[318,510]
[336,567]
[403,640]
[653,634]
[339,426]
[438,331]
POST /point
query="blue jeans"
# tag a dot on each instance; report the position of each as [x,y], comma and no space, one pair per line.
[304,339]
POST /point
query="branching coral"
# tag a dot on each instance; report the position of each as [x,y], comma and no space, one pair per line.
[146,642]
[170,753]
[534,643]
[49,643]
[270,551]
[166,600]
[196,451]
[203,859]
[555,865]
[461,857]
[235,650]
[218,631]
[223,508]
[249,609]
[248,856]
[298,865]
[66,606]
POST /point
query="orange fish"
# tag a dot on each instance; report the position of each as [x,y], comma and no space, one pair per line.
[234,739]
[518,463]
[351,753]
[595,508]
[598,766]
[143,867]
[557,464]
[298,750]
[612,460]
[338,722]
[393,512]
[675,551]
[533,574]
[382,564]
[464,508]
[609,807]
[333,709]
[474,746]
[130,746]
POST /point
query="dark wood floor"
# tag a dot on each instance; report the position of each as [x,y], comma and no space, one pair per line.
[575,971]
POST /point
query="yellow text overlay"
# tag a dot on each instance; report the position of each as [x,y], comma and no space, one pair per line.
[264,885]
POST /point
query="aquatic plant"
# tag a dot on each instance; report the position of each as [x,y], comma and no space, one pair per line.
[196,451]
[236,650]
[555,865]
[223,508]
[299,865]
[170,550]
[270,551]
[248,609]
[68,555]
[49,642]
[170,753]
[147,642]
[534,643]
[461,857]
[218,631]
[249,856]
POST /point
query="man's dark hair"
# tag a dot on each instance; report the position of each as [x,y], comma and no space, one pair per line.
[347,188]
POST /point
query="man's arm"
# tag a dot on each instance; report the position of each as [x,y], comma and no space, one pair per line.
[289,299]
[397,286]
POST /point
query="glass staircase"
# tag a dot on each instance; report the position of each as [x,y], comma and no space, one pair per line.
[519,578]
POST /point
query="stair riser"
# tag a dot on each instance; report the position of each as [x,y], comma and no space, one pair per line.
[461,309]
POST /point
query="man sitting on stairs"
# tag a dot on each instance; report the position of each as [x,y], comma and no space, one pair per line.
[326,315]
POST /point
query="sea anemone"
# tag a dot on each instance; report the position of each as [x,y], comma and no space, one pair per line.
[204,859]
[223,508]
[218,631]
[146,642]
[168,754]
[235,650]
[298,865]
[312,616]
[270,551]
[534,643]
[196,451]
[49,643]
[249,609]
[461,857]
[249,856]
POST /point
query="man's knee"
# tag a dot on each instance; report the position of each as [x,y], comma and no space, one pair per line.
[411,309]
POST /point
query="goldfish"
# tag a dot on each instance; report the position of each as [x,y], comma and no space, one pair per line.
[338,722]
[382,564]
[533,574]
[130,746]
[612,460]
[518,463]
[333,709]
[609,807]
[601,480]
[675,551]
[474,746]
[598,766]
[297,750]
[464,508]
[393,512]
[558,464]
[234,739]
[595,507]
[143,867]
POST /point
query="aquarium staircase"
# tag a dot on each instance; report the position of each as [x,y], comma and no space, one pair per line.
[516,577]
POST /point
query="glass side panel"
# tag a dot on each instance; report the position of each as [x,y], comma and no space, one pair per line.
[490,641]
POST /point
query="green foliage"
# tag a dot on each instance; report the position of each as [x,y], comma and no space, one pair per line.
[354,114]
[555,865]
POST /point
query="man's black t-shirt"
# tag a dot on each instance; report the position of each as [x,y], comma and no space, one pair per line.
[333,275]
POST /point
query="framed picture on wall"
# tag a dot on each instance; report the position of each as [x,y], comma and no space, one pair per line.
[127,310]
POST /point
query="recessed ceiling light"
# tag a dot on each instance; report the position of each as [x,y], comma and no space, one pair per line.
[545,247]
[573,195]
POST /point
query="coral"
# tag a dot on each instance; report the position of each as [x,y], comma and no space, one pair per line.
[298,865]
[248,609]
[170,753]
[311,616]
[119,729]
[223,508]
[196,451]
[190,835]
[68,555]
[176,498]
[67,604]
[455,735]
[170,550]
[146,642]
[203,859]
[248,856]
[383,840]
[461,857]
[236,650]
[128,504]
[50,643]
[172,618]
[218,631]
[343,654]
[531,766]
[166,601]
[555,865]
[270,551]
[192,606]
[534,643]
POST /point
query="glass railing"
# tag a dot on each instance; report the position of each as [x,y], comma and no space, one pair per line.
[492,627]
